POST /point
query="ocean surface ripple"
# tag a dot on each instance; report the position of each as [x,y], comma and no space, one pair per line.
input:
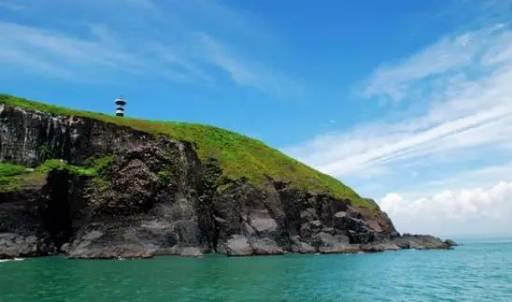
[480,270]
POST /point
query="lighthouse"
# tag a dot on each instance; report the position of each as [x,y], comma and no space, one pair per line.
[120,103]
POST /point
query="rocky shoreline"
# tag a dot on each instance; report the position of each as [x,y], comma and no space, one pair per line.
[238,246]
[152,196]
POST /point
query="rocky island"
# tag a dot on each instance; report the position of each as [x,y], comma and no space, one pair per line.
[89,185]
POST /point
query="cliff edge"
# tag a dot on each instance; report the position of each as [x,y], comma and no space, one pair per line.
[89,185]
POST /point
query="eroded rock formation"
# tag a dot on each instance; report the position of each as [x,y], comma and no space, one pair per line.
[155,197]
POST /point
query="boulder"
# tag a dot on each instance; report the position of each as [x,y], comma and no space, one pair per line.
[266,246]
[238,245]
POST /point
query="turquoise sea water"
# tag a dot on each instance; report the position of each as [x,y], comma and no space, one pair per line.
[478,271]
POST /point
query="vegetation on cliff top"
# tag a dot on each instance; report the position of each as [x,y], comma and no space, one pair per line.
[239,156]
[15,177]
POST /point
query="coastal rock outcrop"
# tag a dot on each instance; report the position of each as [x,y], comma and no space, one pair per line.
[152,195]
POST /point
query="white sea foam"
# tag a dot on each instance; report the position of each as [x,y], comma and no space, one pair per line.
[8,260]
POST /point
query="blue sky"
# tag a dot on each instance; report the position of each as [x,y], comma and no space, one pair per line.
[407,101]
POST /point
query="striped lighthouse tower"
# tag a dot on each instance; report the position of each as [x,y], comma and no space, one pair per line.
[120,103]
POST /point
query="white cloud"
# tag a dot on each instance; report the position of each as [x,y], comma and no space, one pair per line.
[483,176]
[447,135]
[473,211]
[240,70]
[396,81]
[179,50]
[60,55]
[449,166]
[464,113]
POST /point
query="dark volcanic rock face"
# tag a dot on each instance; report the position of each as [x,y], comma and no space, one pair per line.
[156,197]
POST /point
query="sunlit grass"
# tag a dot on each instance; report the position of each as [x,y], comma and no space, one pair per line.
[15,177]
[239,156]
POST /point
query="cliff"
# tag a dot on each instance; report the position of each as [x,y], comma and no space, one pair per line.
[95,186]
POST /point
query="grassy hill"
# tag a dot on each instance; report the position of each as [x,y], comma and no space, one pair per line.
[239,156]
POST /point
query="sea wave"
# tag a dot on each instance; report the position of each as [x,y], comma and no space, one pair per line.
[10,260]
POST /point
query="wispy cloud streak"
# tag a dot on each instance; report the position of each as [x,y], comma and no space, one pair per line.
[459,145]
[180,50]
[397,81]
[465,112]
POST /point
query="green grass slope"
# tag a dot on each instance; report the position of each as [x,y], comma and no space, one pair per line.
[15,177]
[239,156]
